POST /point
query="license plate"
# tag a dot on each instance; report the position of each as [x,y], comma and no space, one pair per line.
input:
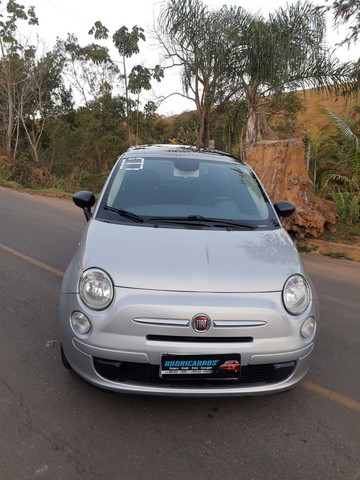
[185,367]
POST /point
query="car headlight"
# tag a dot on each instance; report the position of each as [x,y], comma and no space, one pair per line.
[96,289]
[296,294]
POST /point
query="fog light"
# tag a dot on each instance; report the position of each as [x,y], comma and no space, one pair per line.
[80,323]
[308,328]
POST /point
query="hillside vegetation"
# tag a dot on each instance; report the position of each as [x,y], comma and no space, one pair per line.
[313,118]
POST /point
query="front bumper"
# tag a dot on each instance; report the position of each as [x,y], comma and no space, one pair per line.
[144,378]
[123,349]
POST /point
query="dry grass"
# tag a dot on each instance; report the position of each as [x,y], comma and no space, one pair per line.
[312,118]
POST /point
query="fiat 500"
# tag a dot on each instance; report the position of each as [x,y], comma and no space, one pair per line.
[185,281]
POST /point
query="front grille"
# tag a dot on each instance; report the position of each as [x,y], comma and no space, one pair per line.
[147,374]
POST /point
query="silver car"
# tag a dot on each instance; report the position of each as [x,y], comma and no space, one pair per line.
[185,282]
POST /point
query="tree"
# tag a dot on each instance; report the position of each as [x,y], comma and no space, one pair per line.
[341,175]
[127,44]
[194,39]
[89,69]
[347,154]
[39,95]
[346,11]
[286,52]
[230,53]
[100,133]
[10,50]
[281,113]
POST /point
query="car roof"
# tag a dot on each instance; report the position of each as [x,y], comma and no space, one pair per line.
[184,151]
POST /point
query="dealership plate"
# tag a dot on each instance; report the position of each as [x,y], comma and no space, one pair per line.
[185,367]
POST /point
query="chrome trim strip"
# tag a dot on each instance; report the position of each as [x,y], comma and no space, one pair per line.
[170,322]
[239,323]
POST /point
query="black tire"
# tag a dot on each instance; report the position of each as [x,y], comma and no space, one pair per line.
[64,360]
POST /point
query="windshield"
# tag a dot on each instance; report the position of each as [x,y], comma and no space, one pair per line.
[184,190]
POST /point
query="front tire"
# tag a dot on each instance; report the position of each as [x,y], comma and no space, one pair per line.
[64,360]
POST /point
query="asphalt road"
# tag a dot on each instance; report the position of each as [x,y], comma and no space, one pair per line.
[55,426]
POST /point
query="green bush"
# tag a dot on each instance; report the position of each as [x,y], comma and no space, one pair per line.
[348,206]
[6,172]
[80,180]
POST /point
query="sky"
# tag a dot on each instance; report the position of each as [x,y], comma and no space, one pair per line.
[59,17]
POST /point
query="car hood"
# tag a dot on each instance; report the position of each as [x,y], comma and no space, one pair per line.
[179,259]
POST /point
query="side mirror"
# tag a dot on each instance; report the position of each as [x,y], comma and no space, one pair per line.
[284,209]
[85,200]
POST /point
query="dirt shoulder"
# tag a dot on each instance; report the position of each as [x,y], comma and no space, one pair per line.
[332,249]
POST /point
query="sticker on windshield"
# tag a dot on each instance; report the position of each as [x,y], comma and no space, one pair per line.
[132,163]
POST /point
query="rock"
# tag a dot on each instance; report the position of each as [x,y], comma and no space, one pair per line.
[280,165]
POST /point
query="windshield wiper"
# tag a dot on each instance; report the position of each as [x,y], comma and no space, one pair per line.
[199,220]
[222,222]
[180,220]
[125,213]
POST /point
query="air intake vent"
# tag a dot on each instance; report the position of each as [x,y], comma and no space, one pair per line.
[198,339]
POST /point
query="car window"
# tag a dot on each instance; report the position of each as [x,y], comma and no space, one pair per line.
[182,187]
